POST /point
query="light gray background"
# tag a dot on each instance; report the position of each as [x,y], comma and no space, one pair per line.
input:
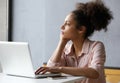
[3,21]
[38,22]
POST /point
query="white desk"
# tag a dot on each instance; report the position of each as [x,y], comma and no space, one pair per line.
[13,79]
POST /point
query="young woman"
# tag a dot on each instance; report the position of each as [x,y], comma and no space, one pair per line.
[82,56]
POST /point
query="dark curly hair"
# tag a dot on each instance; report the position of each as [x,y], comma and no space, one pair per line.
[94,15]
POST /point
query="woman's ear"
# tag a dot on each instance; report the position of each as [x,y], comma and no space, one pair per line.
[82,29]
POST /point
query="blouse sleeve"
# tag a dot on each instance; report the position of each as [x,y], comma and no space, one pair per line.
[61,63]
[99,57]
[63,60]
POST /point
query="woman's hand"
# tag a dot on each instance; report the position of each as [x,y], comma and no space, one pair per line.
[43,70]
[63,39]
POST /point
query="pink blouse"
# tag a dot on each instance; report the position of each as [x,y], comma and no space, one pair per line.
[92,56]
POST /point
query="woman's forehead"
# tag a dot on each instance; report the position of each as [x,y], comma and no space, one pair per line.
[69,17]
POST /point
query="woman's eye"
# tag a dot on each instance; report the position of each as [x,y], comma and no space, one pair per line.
[68,23]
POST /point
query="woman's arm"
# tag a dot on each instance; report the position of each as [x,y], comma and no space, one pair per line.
[56,57]
[87,72]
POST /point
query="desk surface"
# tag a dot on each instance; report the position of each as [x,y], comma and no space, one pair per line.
[13,79]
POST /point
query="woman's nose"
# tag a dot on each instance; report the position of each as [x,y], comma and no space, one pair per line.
[62,27]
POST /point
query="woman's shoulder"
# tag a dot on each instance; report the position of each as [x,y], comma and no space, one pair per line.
[97,44]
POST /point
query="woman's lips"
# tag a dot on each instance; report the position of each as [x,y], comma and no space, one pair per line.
[62,32]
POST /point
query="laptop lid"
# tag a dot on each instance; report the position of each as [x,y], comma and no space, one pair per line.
[15,59]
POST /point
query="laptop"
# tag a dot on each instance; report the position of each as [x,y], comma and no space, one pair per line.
[15,58]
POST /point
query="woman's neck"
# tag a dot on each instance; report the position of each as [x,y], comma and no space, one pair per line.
[78,44]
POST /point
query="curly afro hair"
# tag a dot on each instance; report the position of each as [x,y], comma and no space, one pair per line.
[94,15]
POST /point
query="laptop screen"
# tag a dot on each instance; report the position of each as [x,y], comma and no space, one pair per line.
[15,58]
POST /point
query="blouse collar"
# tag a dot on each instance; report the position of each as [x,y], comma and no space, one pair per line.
[69,49]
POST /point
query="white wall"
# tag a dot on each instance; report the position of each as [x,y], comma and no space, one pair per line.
[38,22]
[3,21]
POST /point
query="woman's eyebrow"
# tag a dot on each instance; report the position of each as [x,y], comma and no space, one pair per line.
[68,21]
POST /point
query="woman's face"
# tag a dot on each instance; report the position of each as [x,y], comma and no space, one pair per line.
[69,29]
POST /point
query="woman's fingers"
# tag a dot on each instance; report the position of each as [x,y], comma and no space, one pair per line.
[44,71]
[41,70]
[37,71]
